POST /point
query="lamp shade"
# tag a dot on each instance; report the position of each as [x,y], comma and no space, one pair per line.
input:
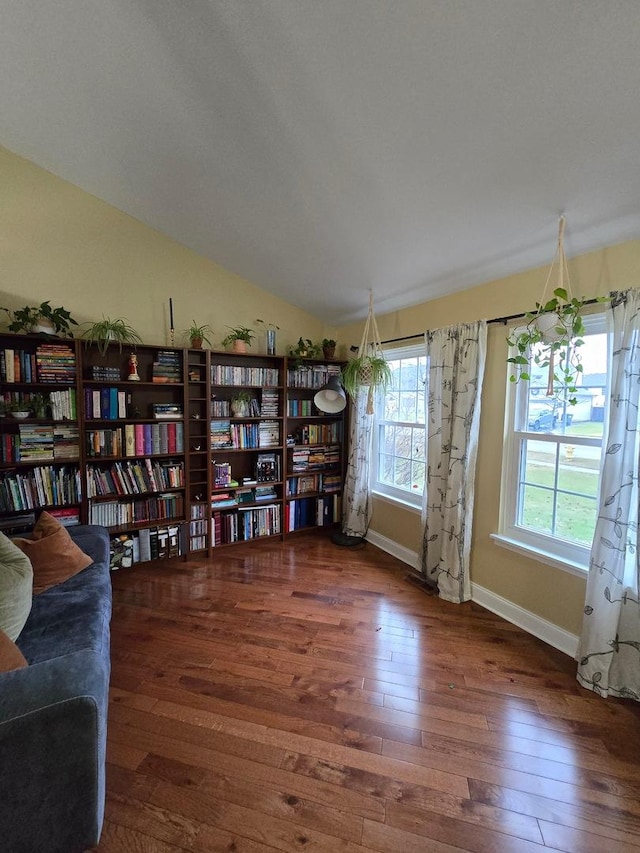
[331,397]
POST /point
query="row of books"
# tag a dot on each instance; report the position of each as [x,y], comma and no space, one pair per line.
[198,527]
[301,408]
[245,524]
[148,543]
[329,433]
[46,485]
[136,440]
[134,478]
[314,457]
[108,404]
[244,436]
[312,512]
[121,513]
[311,375]
[304,484]
[260,377]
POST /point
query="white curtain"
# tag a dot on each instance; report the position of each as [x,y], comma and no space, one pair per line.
[609,652]
[455,369]
[357,489]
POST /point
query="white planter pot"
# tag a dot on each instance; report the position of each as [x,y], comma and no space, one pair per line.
[549,325]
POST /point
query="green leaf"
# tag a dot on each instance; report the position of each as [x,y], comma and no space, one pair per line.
[561,293]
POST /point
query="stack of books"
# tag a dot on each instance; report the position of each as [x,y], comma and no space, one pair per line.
[167,368]
[223,500]
[167,411]
[269,403]
[36,442]
[104,373]
[220,434]
[55,363]
[269,434]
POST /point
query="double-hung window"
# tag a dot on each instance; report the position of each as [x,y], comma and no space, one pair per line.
[400,435]
[552,455]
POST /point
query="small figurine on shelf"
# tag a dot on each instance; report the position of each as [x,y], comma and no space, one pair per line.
[133,368]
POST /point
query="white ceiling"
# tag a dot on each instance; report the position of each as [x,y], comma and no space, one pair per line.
[324,147]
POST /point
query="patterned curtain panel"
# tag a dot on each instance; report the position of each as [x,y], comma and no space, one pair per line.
[609,652]
[357,490]
[455,363]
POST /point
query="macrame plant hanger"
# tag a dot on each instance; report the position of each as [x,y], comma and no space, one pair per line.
[563,275]
[371,347]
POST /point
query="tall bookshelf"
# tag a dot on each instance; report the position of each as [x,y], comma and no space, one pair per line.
[197,441]
[246,447]
[40,454]
[159,453]
[132,422]
[315,450]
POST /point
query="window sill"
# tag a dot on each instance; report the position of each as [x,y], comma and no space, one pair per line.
[397,501]
[541,556]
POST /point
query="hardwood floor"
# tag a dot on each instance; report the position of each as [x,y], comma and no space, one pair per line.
[307,697]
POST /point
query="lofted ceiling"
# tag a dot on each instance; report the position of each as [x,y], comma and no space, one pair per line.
[322,148]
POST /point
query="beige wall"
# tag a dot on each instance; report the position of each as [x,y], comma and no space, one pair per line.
[548,592]
[62,244]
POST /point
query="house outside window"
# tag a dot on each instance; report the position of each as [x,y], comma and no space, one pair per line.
[399,437]
[552,458]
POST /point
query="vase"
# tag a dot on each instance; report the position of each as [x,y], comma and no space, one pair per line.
[271,341]
[196,343]
[239,346]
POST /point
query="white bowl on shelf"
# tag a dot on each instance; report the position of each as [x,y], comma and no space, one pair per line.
[20,416]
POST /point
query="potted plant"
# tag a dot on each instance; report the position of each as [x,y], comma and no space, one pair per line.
[328,348]
[197,334]
[305,348]
[238,338]
[552,336]
[370,370]
[107,330]
[240,404]
[41,319]
[18,409]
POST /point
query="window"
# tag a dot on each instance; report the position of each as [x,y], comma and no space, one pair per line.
[552,453]
[399,433]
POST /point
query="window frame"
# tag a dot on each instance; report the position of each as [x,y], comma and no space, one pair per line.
[379,488]
[551,549]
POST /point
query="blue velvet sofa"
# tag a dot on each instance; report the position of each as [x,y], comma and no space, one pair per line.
[53,713]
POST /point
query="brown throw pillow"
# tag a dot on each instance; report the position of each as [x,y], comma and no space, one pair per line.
[54,555]
[10,655]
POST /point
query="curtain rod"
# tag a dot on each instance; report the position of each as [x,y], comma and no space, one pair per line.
[503,320]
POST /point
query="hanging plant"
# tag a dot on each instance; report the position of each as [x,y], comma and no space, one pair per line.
[371,371]
[369,368]
[553,334]
[552,337]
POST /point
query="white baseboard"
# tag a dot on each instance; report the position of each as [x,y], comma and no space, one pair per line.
[541,628]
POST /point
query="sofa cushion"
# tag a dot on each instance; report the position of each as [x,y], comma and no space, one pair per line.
[54,555]
[10,655]
[16,582]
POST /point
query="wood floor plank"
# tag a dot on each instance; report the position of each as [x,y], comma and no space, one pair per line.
[296,696]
